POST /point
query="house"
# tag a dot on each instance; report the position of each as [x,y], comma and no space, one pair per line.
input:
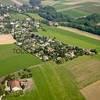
[6,15]
[36,24]
[13,85]
[1,18]
[51,23]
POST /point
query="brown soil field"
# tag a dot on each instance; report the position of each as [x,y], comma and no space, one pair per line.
[92,92]
[6,39]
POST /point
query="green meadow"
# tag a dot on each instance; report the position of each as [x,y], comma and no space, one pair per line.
[11,61]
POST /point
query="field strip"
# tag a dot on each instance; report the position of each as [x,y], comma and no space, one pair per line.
[92,92]
[69,8]
[6,39]
[76,31]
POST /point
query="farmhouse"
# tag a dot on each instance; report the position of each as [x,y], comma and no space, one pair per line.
[13,85]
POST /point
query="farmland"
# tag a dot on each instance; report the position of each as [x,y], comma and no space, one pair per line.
[75,8]
[78,66]
[55,82]
[72,8]
[52,83]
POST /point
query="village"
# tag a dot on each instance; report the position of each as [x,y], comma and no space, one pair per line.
[49,49]
[25,32]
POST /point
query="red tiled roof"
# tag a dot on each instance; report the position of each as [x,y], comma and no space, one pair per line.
[14,83]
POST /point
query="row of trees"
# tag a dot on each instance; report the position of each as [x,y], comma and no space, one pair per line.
[50,13]
[89,23]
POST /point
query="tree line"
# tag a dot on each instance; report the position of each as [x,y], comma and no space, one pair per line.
[88,23]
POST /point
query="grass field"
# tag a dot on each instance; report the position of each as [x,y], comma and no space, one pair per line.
[71,38]
[52,81]
[11,61]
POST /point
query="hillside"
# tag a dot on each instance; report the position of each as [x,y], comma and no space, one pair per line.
[75,8]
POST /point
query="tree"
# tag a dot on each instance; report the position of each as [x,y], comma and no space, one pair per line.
[1,89]
[35,3]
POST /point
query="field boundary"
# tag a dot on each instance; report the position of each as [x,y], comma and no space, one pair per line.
[92,91]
